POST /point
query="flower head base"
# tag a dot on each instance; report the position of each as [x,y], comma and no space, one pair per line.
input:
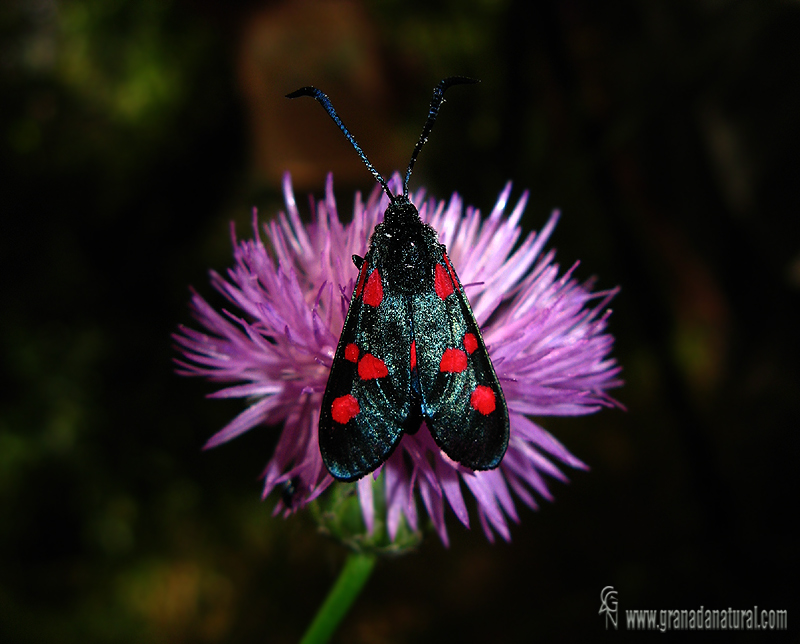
[546,335]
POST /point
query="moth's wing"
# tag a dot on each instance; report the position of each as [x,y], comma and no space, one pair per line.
[368,398]
[462,401]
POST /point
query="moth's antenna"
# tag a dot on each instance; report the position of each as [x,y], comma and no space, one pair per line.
[433,112]
[323,100]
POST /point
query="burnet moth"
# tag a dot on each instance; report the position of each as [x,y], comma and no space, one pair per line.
[410,350]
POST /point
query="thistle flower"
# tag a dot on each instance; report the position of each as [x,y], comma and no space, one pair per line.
[546,335]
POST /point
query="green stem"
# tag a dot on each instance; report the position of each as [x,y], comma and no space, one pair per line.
[351,580]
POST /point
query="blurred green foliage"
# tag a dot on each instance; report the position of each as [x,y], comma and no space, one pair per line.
[665,131]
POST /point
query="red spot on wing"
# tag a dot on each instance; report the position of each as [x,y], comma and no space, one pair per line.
[373,291]
[361,276]
[344,409]
[453,361]
[482,400]
[442,283]
[470,342]
[370,367]
[351,352]
[413,354]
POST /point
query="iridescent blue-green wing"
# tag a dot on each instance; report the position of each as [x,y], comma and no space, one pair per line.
[368,401]
[462,401]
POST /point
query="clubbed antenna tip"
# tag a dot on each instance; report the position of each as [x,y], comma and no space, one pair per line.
[433,112]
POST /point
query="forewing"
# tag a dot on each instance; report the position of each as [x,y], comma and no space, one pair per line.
[462,401]
[368,396]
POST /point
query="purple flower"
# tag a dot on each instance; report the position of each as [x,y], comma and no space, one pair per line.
[546,335]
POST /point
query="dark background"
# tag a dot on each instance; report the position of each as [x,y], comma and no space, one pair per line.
[132,131]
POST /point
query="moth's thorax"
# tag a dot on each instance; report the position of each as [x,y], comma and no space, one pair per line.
[402,248]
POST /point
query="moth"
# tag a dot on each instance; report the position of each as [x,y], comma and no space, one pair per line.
[410,350]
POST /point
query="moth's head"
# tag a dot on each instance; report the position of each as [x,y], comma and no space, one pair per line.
[400,211]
